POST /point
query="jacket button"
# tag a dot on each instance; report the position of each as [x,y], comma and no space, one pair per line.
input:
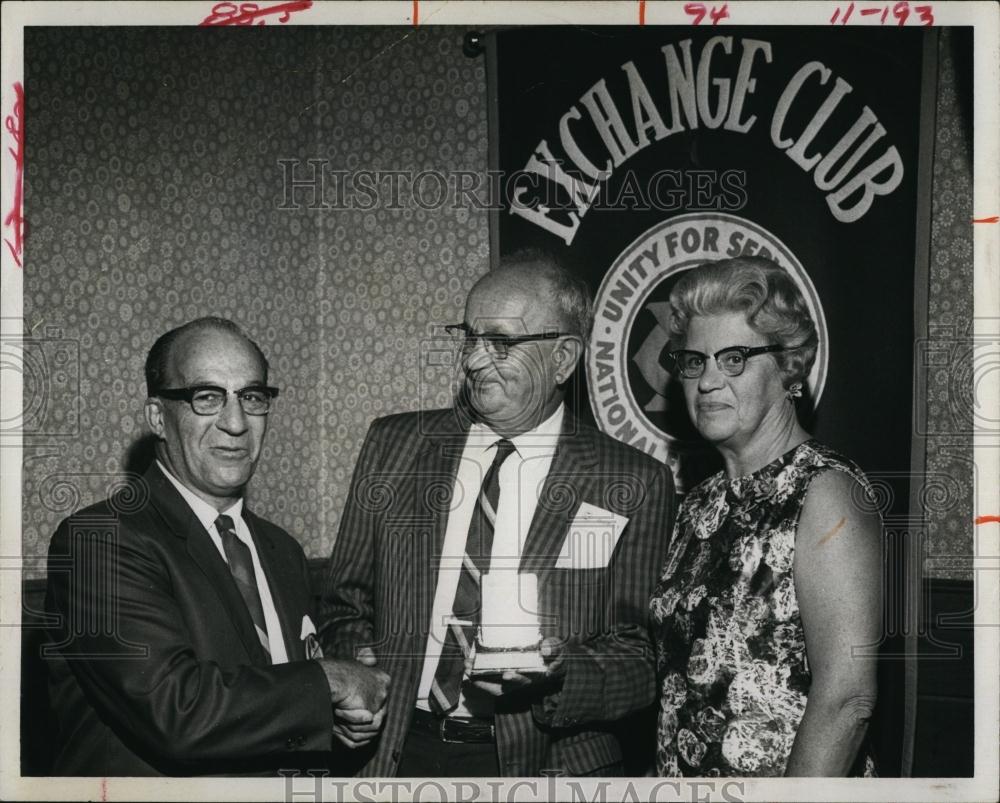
[395,755]
[289,743]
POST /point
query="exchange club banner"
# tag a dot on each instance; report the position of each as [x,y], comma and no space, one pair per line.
[639,153]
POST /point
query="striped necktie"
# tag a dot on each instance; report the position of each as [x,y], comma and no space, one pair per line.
[241,565]
[458,642]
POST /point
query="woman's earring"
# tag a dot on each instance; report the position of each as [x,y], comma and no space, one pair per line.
[795,391]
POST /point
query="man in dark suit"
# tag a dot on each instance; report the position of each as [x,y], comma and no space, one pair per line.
[183,641]
[506,481]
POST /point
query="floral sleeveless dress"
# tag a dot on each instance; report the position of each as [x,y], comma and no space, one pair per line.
[731,657]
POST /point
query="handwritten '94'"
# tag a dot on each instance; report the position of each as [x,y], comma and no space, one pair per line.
[699,10]
[901,12]
[251,13]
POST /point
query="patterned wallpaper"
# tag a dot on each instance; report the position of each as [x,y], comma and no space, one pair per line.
[153,195]
[949,501]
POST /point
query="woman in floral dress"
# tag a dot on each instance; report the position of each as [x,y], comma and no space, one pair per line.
[771,587]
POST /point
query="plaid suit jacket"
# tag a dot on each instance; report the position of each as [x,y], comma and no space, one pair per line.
[380,586]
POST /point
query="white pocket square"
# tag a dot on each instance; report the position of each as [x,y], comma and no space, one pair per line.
[592,538]
[308,635]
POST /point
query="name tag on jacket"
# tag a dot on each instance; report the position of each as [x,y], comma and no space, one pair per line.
[592,538]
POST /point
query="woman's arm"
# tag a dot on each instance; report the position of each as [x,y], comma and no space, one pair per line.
[838,582]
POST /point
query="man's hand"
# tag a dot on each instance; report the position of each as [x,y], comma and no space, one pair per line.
[356,727]
[553,655]
[358,693]
[354,685]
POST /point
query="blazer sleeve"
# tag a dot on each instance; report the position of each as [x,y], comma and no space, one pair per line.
[122,632]
[613,673]
[346,607]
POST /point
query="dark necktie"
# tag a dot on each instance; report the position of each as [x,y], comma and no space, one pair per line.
[241,565]
[468,600]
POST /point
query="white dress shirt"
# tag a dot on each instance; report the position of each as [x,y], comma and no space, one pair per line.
[521,478]
[207,515]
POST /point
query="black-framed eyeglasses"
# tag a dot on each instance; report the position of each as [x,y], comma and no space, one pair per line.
[731,360]
[210,399]
[496,344]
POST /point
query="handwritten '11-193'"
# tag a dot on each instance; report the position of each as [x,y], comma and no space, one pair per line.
[900,11]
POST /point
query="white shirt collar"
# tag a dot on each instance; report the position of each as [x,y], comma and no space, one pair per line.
[544,435]
[205,512]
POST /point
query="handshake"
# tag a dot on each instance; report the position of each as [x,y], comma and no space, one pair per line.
[358,692]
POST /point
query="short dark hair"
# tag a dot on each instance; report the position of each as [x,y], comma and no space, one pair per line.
[572,293]
[159,355]
[764,292]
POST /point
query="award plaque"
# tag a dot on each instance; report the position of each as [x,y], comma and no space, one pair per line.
[509,637]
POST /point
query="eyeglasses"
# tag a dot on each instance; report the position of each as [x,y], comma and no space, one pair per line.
[496,344]
[731,360]
[210,399]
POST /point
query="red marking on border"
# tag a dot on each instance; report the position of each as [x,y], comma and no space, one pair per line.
[987,519]
[104,790]
[700,10]
[847,14]
[249,13]
[993,219]
[14,123]
[416,13]
[900,10]
[696,10]
[642,12]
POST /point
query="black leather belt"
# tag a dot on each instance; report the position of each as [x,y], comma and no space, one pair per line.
[454,729]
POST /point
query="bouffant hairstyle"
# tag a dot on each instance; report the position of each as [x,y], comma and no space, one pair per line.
[762,291]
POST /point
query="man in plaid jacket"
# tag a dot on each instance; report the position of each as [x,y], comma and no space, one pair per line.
[506,480]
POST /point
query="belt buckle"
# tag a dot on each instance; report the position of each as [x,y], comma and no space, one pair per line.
[441,732]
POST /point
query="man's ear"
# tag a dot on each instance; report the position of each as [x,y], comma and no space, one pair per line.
[153,411]
[567,354]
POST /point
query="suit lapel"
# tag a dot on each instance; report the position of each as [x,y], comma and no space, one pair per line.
[183,523]
[281,583]
[436,466]
[564,489]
